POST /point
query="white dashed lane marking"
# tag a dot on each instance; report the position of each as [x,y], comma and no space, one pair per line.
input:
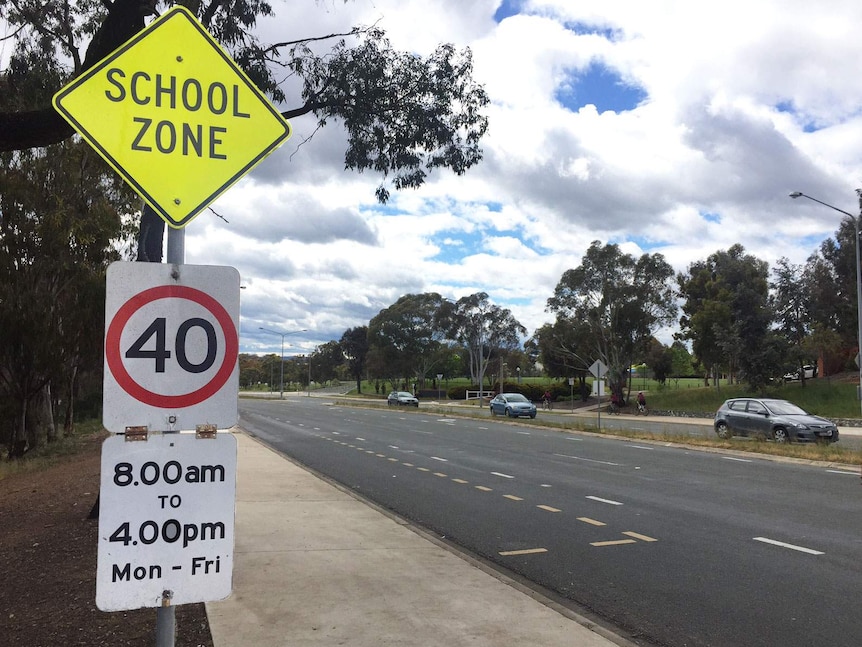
[600,500]
[782,544]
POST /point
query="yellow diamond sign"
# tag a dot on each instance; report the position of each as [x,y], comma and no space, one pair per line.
[174,115]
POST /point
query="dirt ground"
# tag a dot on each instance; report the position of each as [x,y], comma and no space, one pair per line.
[48,549]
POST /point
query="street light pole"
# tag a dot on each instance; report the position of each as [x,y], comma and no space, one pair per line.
[282,335]
[855,221]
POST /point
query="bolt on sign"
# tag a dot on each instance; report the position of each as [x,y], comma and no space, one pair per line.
[174,115]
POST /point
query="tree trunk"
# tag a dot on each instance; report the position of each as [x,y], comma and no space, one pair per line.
[69,417]
[40,421]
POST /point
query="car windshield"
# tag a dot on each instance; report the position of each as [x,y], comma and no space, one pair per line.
[515,397]
[404,394]
[784,408]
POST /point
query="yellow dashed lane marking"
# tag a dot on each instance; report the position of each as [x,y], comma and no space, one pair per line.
[592,522]
[548,508]
[639,536]
[483,488]
[459,481]
[617,542]
[512,497]
[528,551]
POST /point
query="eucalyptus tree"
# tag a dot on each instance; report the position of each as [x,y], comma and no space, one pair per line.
[621,301]
[408,335]
[727,315]
[61,217]
[789,299]
[354,345]
[830,274]
[484,329]
[404,115]
[564,349]
[326,360]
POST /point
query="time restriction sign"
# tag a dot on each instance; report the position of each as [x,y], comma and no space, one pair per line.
[166,520]
[171,346]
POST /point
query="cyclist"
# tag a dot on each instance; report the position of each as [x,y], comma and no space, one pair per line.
[546,400]
[642,403]
[616,403]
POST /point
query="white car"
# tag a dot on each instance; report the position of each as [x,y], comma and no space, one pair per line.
[809,371]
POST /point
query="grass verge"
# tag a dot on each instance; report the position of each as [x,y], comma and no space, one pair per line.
[52,453]
[827,453]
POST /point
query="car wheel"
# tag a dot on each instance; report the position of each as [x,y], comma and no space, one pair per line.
[723,431]
[493,411]
[509,413]
[533,417]
[780,435]
[416,405]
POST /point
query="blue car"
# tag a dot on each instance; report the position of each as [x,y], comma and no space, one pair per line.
[513,405]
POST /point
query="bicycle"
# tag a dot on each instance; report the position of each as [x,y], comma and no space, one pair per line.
[547,404]
[642,409]
[614,408]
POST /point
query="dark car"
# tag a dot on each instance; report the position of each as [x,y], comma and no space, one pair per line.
[402,399]
[780,420]
[513,405]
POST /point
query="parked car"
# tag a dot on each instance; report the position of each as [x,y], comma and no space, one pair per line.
[513,405]
[402,399]
[809,371]
[780,420]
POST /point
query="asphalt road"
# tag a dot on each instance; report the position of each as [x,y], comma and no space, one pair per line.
[669,546]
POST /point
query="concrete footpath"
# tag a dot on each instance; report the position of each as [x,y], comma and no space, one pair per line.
[314,565]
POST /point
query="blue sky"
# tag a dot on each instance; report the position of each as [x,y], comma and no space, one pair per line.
[670,126]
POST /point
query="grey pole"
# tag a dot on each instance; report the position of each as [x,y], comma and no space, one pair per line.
[855,220]
[166,621]
[282,335]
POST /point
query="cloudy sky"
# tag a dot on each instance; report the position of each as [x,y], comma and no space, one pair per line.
[668,126]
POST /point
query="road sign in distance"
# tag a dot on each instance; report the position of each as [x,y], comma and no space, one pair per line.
[174,115]
[598,369]
[171,346]
[166,520]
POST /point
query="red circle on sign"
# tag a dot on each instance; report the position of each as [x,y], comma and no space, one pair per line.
[128,383]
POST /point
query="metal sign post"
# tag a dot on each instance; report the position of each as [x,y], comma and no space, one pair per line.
[176,118]
[598,369]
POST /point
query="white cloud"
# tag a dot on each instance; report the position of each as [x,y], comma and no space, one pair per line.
[744,103]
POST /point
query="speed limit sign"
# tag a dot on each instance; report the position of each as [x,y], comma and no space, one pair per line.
[171,346]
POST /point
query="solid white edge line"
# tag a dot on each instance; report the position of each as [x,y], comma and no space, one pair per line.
[801,549]
[738,460]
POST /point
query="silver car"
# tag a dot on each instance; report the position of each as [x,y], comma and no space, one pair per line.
[513,405]
[402,399]
[780,420]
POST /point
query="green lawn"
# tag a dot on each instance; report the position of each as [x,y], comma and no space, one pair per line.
[829,397]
